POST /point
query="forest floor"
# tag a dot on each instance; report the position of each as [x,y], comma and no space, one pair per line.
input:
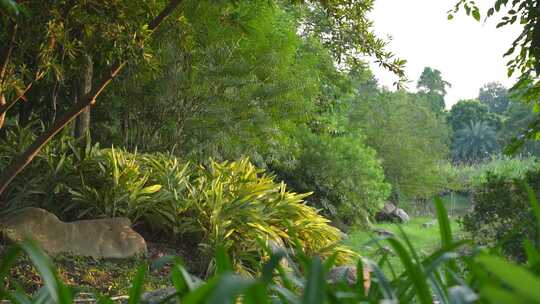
[111,277]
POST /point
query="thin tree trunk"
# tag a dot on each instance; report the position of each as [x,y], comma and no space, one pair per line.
[19,164]
[2,114]
[82,126]
[4,59]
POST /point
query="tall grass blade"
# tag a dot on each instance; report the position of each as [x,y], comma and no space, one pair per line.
[56,289]
[445,229]
[223,262]
[7,261]
[413,270]
[360,278]
[382,282]
[230,286]
[536,211]
[137,286]
[315,292]
[523,282]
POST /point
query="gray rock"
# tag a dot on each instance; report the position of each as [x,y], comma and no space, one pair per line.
[391,213]
[347,274]
[383,232]
[386,214]
[100,238]
[158,296]
[402,215]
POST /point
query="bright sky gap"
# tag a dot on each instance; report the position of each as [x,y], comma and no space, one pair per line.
[468,53]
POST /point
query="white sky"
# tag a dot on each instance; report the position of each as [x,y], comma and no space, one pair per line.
[468,53]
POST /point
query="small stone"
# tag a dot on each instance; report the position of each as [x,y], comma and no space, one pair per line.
[429,224]
[383,232]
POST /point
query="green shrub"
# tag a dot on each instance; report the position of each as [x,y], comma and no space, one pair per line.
[236,205]
[344,174]
[228,204]
[502,215]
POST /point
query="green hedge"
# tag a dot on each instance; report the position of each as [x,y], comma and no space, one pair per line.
[502,216]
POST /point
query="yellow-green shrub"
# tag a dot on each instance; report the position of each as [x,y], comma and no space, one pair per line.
[229,204]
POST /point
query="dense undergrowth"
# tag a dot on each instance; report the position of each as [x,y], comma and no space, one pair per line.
[439,276]
[501,215]
[229,204]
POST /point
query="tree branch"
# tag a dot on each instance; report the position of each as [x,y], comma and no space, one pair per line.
[7,176]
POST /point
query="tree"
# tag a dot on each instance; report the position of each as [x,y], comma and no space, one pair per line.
[465,111]
[343,172]
[524,52]
[231,92]
[89,99]
[138,20]
[475,142]
[410,139]
[518,117]
[495,96]
[434,87]
[345,30]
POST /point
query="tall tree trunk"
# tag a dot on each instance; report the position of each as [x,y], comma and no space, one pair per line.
[7,176]
[82,125]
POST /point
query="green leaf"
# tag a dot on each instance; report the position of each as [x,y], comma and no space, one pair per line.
[10,7]
[524,283]
[414,271]
[535,207]
[270,266]
[223,263]
[445,229]
[137,285]
[476,14]
[6,262]
[228,288]
[256,295]
[360,277]
[57,291]
[314,293]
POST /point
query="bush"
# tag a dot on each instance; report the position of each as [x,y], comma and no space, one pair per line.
[344,174]
[502,215]
[228,204]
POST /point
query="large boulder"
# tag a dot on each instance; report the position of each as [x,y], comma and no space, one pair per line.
[100,238]
[391,213]
[402,215]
